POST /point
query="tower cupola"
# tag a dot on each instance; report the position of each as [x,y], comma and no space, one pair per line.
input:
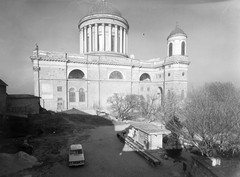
[177,41]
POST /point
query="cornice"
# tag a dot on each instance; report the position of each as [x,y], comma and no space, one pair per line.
[94,63]
[103,16]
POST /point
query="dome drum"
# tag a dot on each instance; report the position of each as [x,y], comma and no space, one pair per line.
[104,31]
[103,37]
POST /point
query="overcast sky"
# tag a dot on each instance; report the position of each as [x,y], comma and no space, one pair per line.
[212,27]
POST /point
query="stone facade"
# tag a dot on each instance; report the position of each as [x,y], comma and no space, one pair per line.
[103,67]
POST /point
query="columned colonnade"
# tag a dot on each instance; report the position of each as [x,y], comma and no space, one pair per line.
[103,37]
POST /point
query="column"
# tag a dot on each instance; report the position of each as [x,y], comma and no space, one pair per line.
[110,37]
[90,38]
[96,37]
[103,37]
[81,40]
[168,49]
[115,41]
[124,40]
[121,40]
[85,40]
[185,48]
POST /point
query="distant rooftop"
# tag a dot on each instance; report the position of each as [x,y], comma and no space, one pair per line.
[149,128]
[20,96]
[3,83]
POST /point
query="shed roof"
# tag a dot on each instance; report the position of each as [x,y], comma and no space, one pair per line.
[150,128]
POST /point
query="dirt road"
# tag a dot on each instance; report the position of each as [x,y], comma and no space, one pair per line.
[105,154]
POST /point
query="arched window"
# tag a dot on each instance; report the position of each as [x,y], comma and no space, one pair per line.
[72,95]
[168,94]
[145,77]
[76,74]
[170,49]
[81,95]
[182,94]
[183,48]
[116,75]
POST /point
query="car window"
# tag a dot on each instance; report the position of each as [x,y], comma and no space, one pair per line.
[75,152]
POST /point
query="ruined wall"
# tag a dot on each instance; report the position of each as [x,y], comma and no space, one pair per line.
[23,105]
[3,97]
[199,169]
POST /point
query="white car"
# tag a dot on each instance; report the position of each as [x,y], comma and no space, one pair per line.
[76,155]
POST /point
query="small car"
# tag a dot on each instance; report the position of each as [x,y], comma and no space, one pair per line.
[76,155]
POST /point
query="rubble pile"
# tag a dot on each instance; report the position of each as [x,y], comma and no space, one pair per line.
[11,163]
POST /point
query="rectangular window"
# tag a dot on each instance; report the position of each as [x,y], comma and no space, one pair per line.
[59,88]
[59,104]
[148,89]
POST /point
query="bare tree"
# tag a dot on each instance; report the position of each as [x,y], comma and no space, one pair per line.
[124,105]
[211,118]
[149,106]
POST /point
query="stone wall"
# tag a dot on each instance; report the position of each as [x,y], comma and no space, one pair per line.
[200,169]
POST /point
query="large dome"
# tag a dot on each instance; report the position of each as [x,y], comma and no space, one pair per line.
[177,31]
[103,7]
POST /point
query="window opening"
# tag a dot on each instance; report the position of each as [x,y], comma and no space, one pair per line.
[72,95]
[81,95]
[116,75]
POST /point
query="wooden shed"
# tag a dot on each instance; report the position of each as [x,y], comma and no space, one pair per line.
[147,135]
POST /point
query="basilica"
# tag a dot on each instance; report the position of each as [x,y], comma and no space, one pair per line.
[104,67]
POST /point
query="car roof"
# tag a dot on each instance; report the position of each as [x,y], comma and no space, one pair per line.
[75,146]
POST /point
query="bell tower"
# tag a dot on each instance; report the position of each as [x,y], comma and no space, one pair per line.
[176,64]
